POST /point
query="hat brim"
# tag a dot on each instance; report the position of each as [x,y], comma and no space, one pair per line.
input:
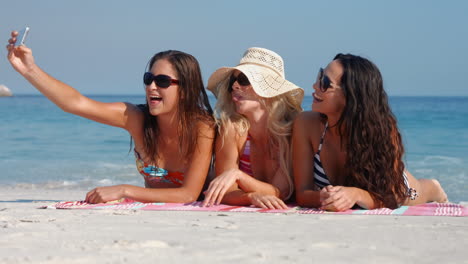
[265,82]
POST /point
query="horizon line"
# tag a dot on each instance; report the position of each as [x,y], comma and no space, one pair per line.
[211,95]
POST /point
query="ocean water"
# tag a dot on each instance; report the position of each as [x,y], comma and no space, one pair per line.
[43,147]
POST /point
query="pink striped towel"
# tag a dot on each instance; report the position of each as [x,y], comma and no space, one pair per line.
[429,209]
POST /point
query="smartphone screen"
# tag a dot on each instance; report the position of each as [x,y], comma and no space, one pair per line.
[21,38]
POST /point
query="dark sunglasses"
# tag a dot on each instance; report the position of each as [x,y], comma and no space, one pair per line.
[324,81]
[162,81]
[241,80]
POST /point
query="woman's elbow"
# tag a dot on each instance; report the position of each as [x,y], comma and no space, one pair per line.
[187,196]
[75,105]
[304,200]
[300,200]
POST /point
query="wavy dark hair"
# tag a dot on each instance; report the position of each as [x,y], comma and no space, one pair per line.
[193,105]
[373,142]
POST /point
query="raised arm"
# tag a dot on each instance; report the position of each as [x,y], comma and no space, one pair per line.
[66,97]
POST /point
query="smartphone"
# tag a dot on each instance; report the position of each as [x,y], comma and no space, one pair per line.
[21,38]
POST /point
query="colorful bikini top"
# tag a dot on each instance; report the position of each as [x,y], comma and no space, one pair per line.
[153,174]
[321,179]
[244,162]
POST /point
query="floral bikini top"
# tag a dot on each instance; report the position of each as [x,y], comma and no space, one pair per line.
[153,174]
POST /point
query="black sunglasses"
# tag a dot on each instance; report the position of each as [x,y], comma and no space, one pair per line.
[324,81]
[241,80]
[162,81]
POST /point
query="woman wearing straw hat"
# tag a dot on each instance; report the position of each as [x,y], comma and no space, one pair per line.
[255,110]
[348,151]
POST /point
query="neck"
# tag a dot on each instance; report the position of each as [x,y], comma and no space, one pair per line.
[168,125]
[258,125]
[332,124]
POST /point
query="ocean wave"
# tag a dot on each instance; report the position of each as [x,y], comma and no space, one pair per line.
[439,161]
[423,171]
[70,185]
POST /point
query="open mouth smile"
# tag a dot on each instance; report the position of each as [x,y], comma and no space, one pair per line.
[317,98]
[154,99]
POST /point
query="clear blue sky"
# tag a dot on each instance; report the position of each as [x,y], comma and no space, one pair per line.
[102,47]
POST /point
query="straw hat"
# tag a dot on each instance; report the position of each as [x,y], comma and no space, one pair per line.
[265,71]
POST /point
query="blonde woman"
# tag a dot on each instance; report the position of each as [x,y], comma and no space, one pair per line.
[255,110]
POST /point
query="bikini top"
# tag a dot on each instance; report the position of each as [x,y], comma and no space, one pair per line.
[321,178]
[244,162]
[153,174]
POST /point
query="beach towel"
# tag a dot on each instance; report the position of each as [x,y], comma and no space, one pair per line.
[429,209]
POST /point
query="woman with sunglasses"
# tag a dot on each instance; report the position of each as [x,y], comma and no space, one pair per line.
[348,151]
[172,133]
[255,110]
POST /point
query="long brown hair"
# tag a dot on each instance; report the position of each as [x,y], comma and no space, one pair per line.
[373,142]
[193,106]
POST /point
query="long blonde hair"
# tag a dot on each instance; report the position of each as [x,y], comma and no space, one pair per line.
[282,110]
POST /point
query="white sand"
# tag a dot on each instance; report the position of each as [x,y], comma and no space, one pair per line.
[31,235]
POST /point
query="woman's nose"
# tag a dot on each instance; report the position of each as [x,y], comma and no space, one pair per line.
[152,86]
[315,85]
[236,86]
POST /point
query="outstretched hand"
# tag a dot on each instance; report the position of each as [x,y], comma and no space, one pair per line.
[20,57]
[338,198]
[219,186]
[267,201]
[105,194]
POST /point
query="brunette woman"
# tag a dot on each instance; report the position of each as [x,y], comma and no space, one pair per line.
[348,151]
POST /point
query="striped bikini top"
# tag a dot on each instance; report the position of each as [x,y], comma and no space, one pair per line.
[321,178]
[153,174]
[244,162]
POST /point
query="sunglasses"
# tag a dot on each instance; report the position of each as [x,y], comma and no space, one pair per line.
[324,81]
[241,80]
[162,81]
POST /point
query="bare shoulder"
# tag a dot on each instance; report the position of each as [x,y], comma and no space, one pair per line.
[135,117]
[135,109]
[231,131]
[308,121]
[230,138]
[206,128]
[307,128]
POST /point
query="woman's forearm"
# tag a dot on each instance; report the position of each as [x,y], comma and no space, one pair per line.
[249,184]
[237,197]
[364,199]
[167,195]
[63,95]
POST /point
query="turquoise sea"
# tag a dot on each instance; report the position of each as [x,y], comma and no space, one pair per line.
[43,147]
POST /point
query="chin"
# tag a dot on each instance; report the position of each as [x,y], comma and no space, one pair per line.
[154,112]
[315,108]
[248,107]
[243,110]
